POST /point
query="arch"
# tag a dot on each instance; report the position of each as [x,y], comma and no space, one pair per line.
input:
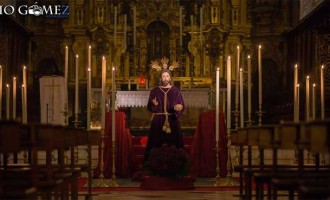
[158,41]
[47,67]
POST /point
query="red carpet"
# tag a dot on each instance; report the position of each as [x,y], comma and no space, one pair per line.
[135,186]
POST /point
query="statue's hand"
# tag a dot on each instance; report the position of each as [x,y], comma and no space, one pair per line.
[155,102]
[178,107]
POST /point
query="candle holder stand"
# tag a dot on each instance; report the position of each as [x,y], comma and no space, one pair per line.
[113,178]
[65,114]
[76,124]
[236,114]
[249,122]
[217,169]
[260,114]
[230,182]
[101,182]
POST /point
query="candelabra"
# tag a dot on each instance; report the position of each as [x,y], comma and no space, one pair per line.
[101,182]
[113,178]
[217,178]
[236,114]
[229,179]
[76,124]
[260,114]
[249,122]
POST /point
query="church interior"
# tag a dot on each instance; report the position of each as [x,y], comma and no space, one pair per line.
[75,78]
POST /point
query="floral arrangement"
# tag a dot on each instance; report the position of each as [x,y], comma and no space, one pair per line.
[168,161]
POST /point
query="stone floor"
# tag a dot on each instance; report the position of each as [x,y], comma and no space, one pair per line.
[204,190]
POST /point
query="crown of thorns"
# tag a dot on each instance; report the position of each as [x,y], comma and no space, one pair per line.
[163,64]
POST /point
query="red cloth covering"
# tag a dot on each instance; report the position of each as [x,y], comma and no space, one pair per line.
[203,150]
[126,164]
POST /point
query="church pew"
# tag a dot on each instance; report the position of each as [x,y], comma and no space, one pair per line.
[10,142]
[291,136]
[318,136]
[52,179]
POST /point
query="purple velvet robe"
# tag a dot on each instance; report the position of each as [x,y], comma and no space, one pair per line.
[157,137]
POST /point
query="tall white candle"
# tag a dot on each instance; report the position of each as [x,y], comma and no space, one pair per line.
[25,96]
[313,101]
[66,67]
[113,102]
[241,97]
[217,101]
[14,98]
[295,82]
[0,91]
[115,26]
[180,19]
[22,94]
[298,101]
[322,91]
[7,102]
[134,25]
[307,99]
[125,31]
[237,77]
[249,83]
[89,86]
[229,93]
[260,74]
[103,92]
[76,108]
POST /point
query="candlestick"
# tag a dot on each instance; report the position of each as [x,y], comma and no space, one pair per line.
[180,19]
[307,99]
[295,82]
[313,101]
[7,102]
[25,96]
[14,98]
[113,102]
[103,98]
[229,93]
[237,77]
[0,91]
[241,97]
[115,26]
[249,86]
[298,101]
[217,98]
[89,86]
[260,74]
[76,111]
[322,91]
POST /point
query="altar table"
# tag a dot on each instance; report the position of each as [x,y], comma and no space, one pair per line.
[125,162]
[203,150]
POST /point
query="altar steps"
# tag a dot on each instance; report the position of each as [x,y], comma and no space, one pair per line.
[139,145]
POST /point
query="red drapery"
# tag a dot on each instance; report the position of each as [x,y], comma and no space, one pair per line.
[125,161]
[203,151]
